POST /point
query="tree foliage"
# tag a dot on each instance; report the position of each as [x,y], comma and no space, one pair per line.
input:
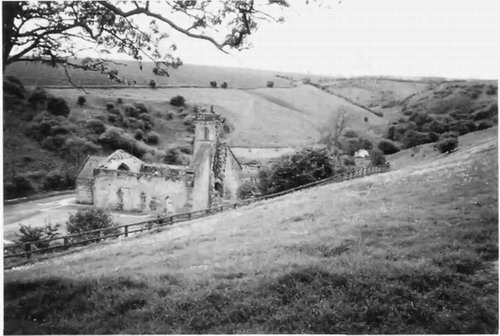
[53,32]
[304,167]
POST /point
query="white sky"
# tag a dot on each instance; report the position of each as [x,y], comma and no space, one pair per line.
[450,38]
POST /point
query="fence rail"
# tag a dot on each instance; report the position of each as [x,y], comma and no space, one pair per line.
[61,243]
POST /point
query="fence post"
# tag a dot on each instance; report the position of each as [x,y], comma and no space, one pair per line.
[189,215]
[126,231]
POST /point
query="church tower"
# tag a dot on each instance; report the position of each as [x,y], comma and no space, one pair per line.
[206,136]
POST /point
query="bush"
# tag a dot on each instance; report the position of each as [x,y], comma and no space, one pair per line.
[223,85]
[110,106]
[484,125]
[447,145]
[492,90]
[90,219]
[152,83]
[58,106]
[270,84]
[153,138]
[38,97]
[146,117]
[388,147]
[177,101]
[213,84]
[139,134]
[301,168]
[173,157]
[36,234]
[433,136]
[366,119]
[57,180]
[377,158]
[18,186]
[13,86]
[115,139]
[119,101]
[96,126]
[54,143]
[141,108]
[350,134]
[246,190]
[349,161]
[169,116]
[413,138]
[131,111]
[81,100]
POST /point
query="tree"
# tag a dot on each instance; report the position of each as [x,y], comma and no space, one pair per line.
[337,127]
[53,32]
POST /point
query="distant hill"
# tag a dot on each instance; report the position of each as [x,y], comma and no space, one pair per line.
[34,74]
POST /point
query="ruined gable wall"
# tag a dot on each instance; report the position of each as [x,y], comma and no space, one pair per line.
[232,175]
[84,194]
[202,163]
[108,182]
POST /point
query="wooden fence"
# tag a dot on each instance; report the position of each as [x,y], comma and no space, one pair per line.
[26,249]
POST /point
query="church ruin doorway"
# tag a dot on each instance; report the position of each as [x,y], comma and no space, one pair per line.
[119,193]
[123,167]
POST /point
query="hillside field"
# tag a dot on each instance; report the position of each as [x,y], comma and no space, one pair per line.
[413,250]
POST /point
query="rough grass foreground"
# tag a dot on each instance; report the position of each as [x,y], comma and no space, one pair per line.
[417,256]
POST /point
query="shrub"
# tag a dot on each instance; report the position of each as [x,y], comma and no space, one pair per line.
[388,147]
[366,119]
[54,143]
[301,168]
[433,136]
[492,90]
[81,100]
[90,219]
[57,180]
[139,134]
[36,234]
[119,101]
[471,126]
[482,114]
[177,101]
[76,148]
[246,190]
[350,134]
[141,108]
[110,106]
[447,145]
[349,161]
[223,85]
[13,86]
[38,97]
[459,127]
[377,158]
[96,126]
[18,186]
[413,138]
[213,84]
[173,157]
[146,117]
[131,111]
[270,84]
[152,83]
[58,106]
[115,139]
[169,116]
[153,138]
[484,125]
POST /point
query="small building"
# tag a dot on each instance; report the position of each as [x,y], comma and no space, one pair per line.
[121,181]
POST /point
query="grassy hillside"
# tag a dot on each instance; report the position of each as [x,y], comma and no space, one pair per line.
[186,75]
[409,251]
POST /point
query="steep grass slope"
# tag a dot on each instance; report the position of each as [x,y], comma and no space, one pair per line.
[408,251]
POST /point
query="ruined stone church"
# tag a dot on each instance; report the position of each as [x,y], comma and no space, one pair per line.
[121,181]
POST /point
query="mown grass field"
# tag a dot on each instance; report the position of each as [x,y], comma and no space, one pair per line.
[413,250]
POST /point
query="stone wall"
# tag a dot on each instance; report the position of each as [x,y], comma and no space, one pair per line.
[146,193]
[84,194]
[232,176]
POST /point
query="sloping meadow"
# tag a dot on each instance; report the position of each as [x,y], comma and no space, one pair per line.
[409,251]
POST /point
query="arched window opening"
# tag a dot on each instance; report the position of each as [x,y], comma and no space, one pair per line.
[123,167]
[218,187]
[206,133]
